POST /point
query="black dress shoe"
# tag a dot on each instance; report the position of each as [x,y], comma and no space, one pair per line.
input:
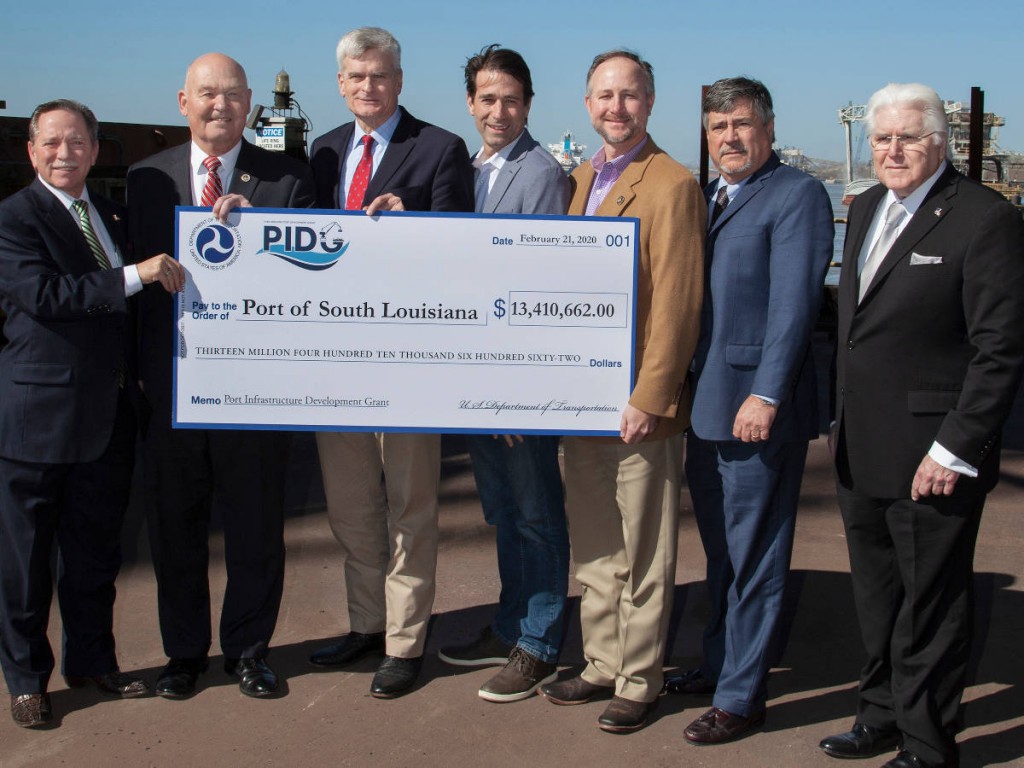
[255,677]
[862,741]
[114,683]
[31,710]
[625,715]
[395,676]
[352,647]
[691,682]
[716,726]
[907,759]
[178,678]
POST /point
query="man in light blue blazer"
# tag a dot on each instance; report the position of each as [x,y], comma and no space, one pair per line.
[768,246]
[517,477]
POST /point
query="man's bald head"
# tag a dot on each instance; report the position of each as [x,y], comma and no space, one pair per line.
[216,100]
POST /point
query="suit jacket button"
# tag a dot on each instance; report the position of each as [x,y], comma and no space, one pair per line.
[849,345]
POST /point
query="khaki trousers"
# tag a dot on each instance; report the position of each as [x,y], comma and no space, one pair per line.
[381,493]
[622,503]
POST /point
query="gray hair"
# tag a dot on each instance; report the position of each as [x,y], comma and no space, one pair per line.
[357,42]
[914,96]
[91,123]
[725,94]
[623,53]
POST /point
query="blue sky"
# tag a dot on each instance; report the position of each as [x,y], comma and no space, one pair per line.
[127,61]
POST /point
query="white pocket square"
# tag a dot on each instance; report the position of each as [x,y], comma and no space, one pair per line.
[917,258]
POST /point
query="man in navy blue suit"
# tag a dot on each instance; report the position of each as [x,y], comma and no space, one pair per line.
[382,488]
[768,245]
[67,415]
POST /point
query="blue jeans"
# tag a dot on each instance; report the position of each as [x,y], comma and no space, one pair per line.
[520,489]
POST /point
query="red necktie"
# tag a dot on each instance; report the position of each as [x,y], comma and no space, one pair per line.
[213,189]
[357,191]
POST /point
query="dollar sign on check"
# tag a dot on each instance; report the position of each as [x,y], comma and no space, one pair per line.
[499,308]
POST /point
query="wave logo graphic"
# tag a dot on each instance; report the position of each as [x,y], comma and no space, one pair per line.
[303,246]
[215,245]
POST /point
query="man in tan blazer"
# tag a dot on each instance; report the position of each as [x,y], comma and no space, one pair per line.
[622,495]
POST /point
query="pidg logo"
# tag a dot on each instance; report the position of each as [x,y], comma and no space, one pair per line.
[214,245]
[303,246]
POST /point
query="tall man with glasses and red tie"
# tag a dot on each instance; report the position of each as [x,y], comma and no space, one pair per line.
[931,343]
[185,468]
[382,487]
[68,403]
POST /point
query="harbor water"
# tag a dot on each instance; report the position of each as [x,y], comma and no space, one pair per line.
[839,211]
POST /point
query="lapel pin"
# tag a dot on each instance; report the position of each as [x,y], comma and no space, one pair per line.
[115,217]
[620,200]
[938,211]
[246,177]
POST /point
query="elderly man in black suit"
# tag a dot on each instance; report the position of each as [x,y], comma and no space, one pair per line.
[67,416]
[184,468]
[931,343]
[382,488]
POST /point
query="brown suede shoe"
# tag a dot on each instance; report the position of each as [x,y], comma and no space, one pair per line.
[575,690]
[519,678]
[31,710]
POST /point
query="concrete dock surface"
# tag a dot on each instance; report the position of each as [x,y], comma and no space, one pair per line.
[329,718]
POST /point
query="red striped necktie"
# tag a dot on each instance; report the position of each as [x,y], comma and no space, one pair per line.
[213,189]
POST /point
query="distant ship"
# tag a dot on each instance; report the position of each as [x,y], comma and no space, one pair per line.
[568,152]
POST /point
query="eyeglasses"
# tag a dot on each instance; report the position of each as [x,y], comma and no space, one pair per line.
[884,142]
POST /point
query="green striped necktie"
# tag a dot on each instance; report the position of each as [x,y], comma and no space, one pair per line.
[82,209]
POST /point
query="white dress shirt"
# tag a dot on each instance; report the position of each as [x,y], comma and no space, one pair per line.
[199,173]
[487,170]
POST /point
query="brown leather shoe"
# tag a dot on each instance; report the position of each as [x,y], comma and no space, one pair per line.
[625,715]
[114,683]
[716,726]
[575,690]
[31,710]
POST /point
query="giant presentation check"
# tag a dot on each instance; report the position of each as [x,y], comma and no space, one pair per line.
[331,320]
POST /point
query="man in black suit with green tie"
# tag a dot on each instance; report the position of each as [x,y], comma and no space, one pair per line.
[67,412]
